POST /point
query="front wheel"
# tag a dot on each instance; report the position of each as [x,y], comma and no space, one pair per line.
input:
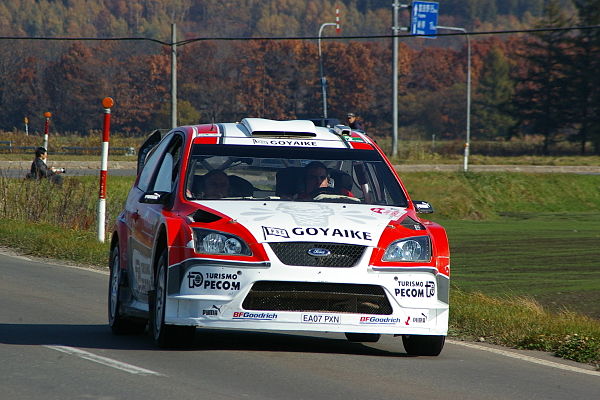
[423,345]
[166,335]
[118,323]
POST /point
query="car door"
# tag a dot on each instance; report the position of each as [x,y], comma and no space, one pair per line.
[144,217]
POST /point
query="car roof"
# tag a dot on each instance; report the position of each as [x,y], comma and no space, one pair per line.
[292,133]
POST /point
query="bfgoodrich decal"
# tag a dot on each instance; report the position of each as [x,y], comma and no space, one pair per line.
[380,320]
[262,316]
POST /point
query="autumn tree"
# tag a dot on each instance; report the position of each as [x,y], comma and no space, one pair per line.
[542,96]
[492,100]
[584,77]
[72,82]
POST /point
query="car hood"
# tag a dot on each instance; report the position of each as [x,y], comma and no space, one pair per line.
[287,221]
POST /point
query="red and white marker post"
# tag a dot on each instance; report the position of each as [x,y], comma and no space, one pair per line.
[107,103]
[47,115]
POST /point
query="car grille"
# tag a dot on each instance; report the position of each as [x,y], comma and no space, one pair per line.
[317,296]
[296,253]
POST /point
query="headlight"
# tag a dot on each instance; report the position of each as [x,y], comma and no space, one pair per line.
[411,249]
[213,242]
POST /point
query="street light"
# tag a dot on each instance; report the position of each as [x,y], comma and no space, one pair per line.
[323,80]
[468,142]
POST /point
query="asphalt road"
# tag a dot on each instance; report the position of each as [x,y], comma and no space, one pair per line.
[55,344]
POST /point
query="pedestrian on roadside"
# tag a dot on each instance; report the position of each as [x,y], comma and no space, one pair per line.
[40,170]
[354,123]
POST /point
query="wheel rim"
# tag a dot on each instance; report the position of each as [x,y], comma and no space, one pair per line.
[114,286]
[159,306]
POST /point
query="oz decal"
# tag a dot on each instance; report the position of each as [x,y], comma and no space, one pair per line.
[213,281]
[420,319]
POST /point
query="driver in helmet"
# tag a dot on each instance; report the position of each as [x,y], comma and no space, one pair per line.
[315,178]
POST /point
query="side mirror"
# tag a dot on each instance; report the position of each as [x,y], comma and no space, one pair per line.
[155,198]
[423,207]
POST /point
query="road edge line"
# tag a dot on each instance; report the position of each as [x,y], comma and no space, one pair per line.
[132,369]
[523,357]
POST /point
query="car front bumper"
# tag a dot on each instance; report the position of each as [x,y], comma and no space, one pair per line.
[273,296]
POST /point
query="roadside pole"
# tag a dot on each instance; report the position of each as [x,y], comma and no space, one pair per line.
[173,76]
[396,28]
[107,103]
[47,115]
[322,77]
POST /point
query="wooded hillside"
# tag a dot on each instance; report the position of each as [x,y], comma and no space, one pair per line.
[152,18]
[543,84]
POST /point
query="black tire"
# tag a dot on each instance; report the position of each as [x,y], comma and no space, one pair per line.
[363,337]
[423,345]
[118,323]
[166,336]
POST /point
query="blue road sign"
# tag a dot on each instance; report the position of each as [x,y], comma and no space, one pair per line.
[424,18]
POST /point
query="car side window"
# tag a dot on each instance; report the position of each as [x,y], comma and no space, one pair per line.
[163,179]
[168,171]
[150,166]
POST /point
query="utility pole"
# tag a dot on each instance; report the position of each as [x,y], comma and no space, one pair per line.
[395,32]
[173,76]
[321,72]
[468,139]
[323,79]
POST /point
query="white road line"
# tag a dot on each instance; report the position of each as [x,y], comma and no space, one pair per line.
[132,369]
[525,358]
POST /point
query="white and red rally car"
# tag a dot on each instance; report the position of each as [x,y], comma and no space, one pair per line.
[276,225]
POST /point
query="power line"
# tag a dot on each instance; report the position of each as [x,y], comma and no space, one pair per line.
[278,38]
[407,35]
[89,39]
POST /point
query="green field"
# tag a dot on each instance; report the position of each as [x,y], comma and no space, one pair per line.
[552,257]
[516,234]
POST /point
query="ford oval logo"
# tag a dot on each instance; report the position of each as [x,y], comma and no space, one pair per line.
[319,252]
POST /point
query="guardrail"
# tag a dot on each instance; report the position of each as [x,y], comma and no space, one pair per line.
[6,146]
[127,151]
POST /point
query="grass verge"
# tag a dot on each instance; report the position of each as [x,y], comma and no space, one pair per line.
[46,240]
[524,251]
[523,323]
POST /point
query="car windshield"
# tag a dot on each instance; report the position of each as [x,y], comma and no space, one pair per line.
[285,174]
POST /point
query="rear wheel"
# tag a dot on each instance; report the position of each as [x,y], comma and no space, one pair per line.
[423,345]
[166,335]
[118,323]
[362,337]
